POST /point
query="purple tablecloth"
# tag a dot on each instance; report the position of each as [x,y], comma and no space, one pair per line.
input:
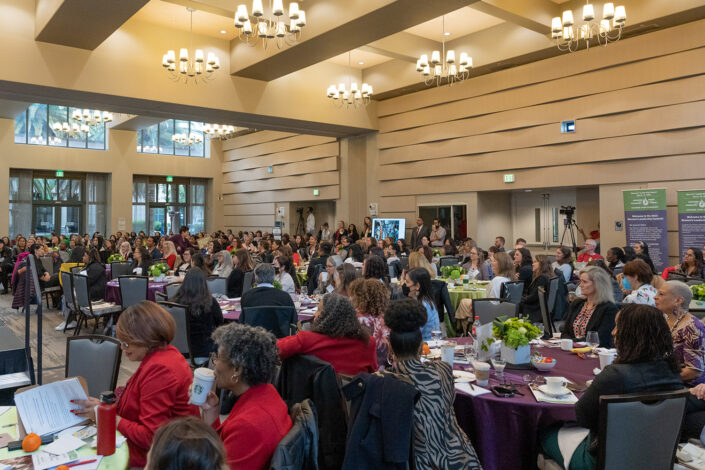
[504,431]
[234,314]
[112,291]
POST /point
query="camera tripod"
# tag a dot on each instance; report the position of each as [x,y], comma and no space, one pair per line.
[300,225]
[569,226]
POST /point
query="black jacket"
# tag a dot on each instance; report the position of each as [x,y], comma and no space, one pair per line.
[315,267]
[299,448]
[381,422]
[201,328]
[305,376]
[416,236]
[530,302]
[234,283]
[95,272]
[443,302]
[602,321]
[525,275]
[265,296]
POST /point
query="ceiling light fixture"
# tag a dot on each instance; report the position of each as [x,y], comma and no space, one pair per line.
[353,97]
[220,131]
[443,65]
[184,139]
[64,130]
[570,35]
[361,63]
[196,68]
[222,31]
[270,26]
[91,117]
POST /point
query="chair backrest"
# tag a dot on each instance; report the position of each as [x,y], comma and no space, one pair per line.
[133,289]
[120,268]
[625,422]
[48,263]
[217,285]
[489,309]
[545,316]
[694,283]
[67,288]
[552,293]
[280,320]
[247,281]
[449,261]
[513,291]
[171,289]
[80,286]
[85,353]
[673,276]
[182,334]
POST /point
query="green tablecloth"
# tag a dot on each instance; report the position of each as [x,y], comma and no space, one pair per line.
[118,461]
[476,292]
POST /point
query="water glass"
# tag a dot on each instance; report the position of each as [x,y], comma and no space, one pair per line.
[498,363]
[593,340]
[304,291]
[541,330]
[436,335]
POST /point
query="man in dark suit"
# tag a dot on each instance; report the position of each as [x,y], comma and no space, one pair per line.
[273,316]
[265,293]
[318,265]
[418,233]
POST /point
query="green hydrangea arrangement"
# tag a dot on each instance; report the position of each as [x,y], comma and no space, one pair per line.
[514,332]
[157,269]
[453,272]
[115,258]
[698,292]
[436,252]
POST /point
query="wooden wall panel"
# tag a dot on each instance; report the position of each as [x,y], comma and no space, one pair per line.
[287,169]
[281,145]
[254,138]
[291,195]
[308,153]
[249,209]
[262,221]
[286,182]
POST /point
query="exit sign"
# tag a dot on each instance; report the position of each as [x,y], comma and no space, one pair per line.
[509,178]
[59,173]
[169,179]
[315,192]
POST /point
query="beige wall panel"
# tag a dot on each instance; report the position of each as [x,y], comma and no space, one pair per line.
[286,182]
[289,169]
[251,220]
[617,148]
[672,218]
[254,138]
[635,98]
[248,209]
[397,204]
[628,75]
[298,194]
[494,218]
[282,145]
[613,125]
[308,153]
[668,41]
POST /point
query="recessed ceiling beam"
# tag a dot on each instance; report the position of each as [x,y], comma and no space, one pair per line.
[402,46]
[535,15]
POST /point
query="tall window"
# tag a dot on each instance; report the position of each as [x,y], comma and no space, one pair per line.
[158,138]
[34,127]
[43,204]
[161,206]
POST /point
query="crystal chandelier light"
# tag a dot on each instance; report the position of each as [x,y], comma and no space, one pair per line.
[270,25]
[443,65]
[64,130]
[185,139]
[353,97]
[570,35]
[91,117]
[219,131]
[195,68]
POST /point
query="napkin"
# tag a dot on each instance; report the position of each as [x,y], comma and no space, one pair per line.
[474,390]
[569,399]
[64,445]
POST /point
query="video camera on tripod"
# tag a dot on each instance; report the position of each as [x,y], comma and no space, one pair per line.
[569,212]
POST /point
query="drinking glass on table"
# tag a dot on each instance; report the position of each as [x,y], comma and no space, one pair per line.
[436,335]
[304,290]
[593,340]
[541,330]
[469,352]
[498,363]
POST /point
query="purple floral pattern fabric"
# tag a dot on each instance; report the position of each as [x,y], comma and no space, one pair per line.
[379,331]
[689,346]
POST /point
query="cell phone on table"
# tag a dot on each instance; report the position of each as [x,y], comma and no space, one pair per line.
[502,392]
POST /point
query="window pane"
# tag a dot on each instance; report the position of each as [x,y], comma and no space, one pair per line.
[176,216]
[139,191]
[197,150]
[152,192]
[38,189]
[75,191]
[43,220]
[64,189]
[70,216]
[79,139]
[161,192]
[197,219]
[182,193]
[20,218]
[50,188]
[96,137]
[37,124]
[198,194]
[166,131]
[149,139]
[14,188]
[139,140]
[181,128]
[21,128]
[157,219]
[57,117]
[139,221]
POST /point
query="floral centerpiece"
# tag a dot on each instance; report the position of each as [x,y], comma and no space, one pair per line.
[698,292]
[515,334]
[436,252]
[452,272]
[115,257]
[157,270]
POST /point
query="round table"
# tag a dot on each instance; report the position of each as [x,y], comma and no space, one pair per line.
[477,291]
[112,291]
[118,461]
[504,431]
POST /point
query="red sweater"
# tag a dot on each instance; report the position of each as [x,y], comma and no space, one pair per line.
[585,258]
[346,355]
[254,427]
[156,393]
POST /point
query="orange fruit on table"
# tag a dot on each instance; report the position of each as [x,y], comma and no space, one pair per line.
[426,350]
[31,442]
[62,467]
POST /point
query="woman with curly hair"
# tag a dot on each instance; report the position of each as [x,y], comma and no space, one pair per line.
[336,337]
[376,268]
[439,442]
[245,364]
[645,363]
[370,299]
[344,275]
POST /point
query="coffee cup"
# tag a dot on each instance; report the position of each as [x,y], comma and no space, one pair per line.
[203,379]
[557,335]
[606,358]
[482,373]
[566,344]
[451,285]
[448,352]
[555,384]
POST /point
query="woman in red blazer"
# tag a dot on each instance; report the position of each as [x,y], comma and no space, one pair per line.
[158,390]
[336,337]
[245,364]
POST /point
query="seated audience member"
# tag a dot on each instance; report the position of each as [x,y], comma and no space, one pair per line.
[370,299]
[199,261]
[125,251]
[158,391]
[688,333]
[345,274]
[6,266]
[310,251]
[438,441]
[427,252]
[644,363]
[46,279]
[475,265]
[242,263]
[356,257]
[186,443]
[503,269]
[639,276]
[282,266]
[94,271]
[420,288]
[417,260]
[616,258]
[595,311]
[340,232]
[403,247]
[141,261]
[204,312]
[524,266]
[326,281]
[185,264]
[352,233]
[589,253]
[692,265]
[541,277]
[376,268]
[616,289]
[245,364]
[152,243]
[336,337]
[317,265]
[172,257]
[265,294]
[564,263]
[225,264]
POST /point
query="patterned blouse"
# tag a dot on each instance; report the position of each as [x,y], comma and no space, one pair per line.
[439,443]
[581,321]
[643,295]
[378,330]
[689,346]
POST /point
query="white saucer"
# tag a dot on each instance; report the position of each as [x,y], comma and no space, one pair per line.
[463,376]
[460,380]
[564,391]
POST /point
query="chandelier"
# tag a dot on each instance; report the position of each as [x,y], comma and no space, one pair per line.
[194,68]
[63,130]
[186,139]
[352,97]
[220,131]
[568,34]
[437,69]
[91,117]
[272,26]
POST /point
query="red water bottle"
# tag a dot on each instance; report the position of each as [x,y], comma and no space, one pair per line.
[105,416]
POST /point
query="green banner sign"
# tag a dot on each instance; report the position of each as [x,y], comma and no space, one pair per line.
[645,200]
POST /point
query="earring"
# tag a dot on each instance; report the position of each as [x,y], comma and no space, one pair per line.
[235,378]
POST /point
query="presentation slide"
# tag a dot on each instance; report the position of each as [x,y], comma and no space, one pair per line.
[392,228]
